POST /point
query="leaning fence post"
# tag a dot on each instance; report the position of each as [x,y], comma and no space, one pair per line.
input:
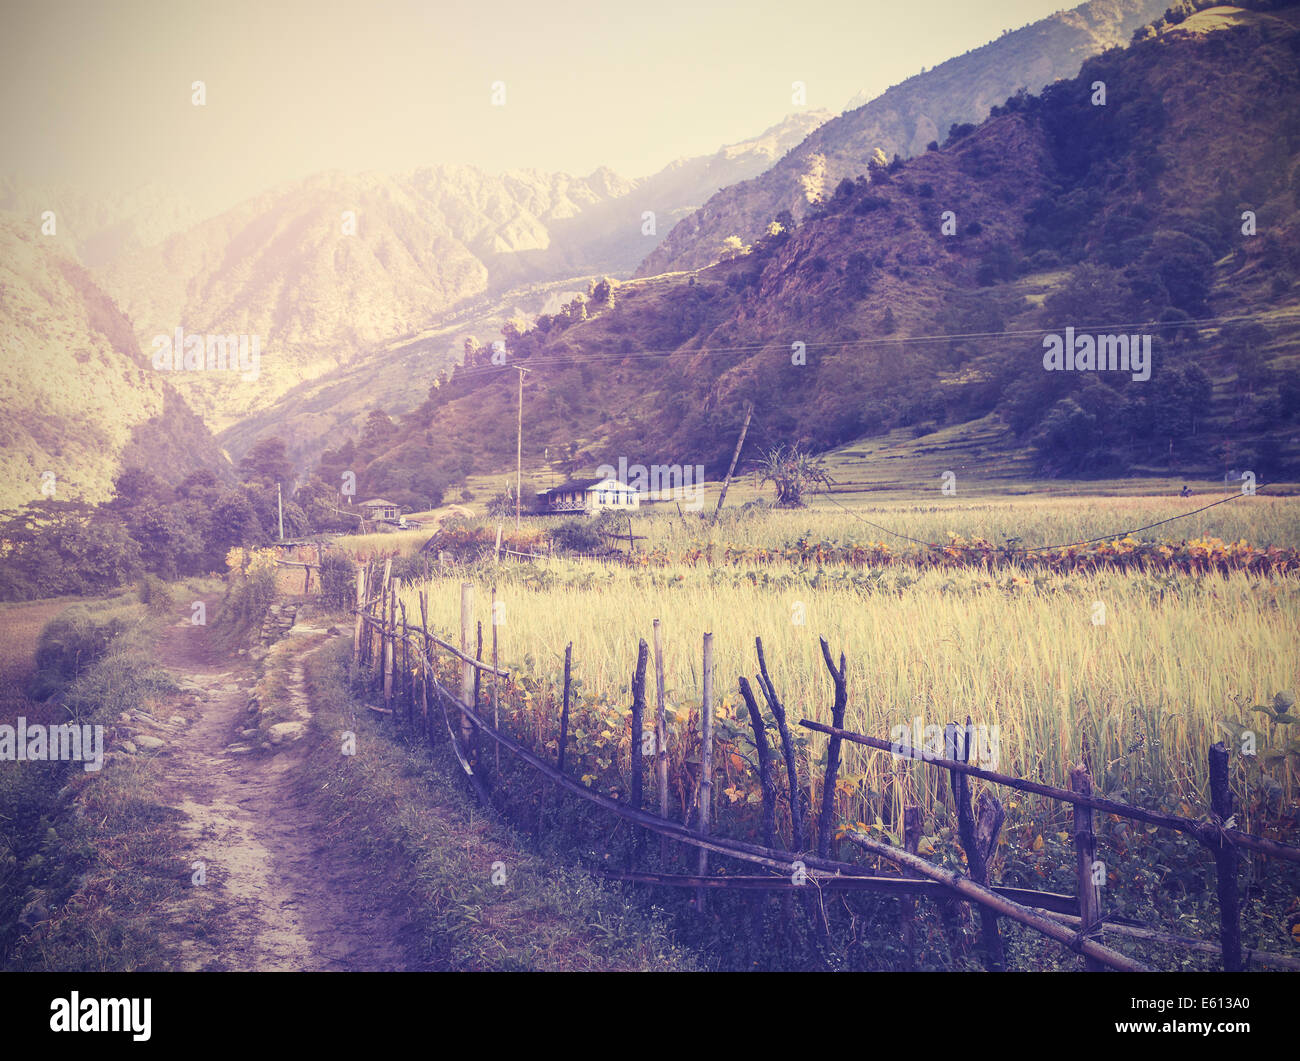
[764,764]
[466,668]
[787,749]
[832,751]
[1085,854]
[706,763]
[1226,858]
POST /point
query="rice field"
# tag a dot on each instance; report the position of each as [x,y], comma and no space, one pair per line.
[1261,520]
[1151,669]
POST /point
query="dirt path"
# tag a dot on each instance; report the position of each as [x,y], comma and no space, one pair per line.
[283,900]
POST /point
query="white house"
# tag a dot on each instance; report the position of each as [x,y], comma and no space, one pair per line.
[378,508]
[590,496]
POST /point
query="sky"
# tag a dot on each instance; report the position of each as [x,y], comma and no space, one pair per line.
[100,93]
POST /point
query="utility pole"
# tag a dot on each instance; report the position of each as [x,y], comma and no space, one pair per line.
[749,412]
[279,504]
[519,448]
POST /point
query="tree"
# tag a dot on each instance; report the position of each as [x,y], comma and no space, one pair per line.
[266,462]
[134,486]
[733,247]
[1066,435]
[234,522]
[1093,293]
[602,292]
[378,430]
[792,472]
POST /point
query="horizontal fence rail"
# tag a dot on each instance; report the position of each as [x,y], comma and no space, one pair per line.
[383,634]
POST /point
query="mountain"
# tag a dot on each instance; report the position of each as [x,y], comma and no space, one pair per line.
[96,228]
[319,290]
[903,121]
[290,268]
[79,399]
[1171,212]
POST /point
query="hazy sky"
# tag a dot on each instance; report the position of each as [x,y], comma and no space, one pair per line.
[100,91]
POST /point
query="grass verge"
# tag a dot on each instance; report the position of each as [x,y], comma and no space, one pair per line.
[403,813]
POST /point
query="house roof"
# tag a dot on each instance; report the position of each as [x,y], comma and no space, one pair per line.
[573,486]
[379,501]
[579,486]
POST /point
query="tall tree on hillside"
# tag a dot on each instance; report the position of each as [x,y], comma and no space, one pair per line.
[267,462]
[378,431]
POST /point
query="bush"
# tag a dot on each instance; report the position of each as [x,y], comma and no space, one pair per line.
[252,587]
[578,536]
[156,594]
[70,643]
[338,581]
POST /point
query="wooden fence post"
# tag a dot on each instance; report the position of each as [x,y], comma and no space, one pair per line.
[478,684]
[661,736]
[797,794]
[405,684]
[564,714]
[911,841]
[638,724]
[424,663]
[496,702]
[361,600]
[1226,859]
[1085,854]
[466,668]
[976,852]
[764,764]
[706,763]
[827,819]
[638,737]
[390,632]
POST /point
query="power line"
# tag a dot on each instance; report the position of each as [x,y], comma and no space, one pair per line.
[460,372]
[1043,548]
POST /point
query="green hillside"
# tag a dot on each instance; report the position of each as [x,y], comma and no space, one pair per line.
[1126,217]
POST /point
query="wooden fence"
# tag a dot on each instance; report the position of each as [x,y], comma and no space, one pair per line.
[392,651]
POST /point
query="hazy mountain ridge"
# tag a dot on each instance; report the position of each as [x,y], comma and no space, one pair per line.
[903,120]
[79,398]
[96,228]
[281,267]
